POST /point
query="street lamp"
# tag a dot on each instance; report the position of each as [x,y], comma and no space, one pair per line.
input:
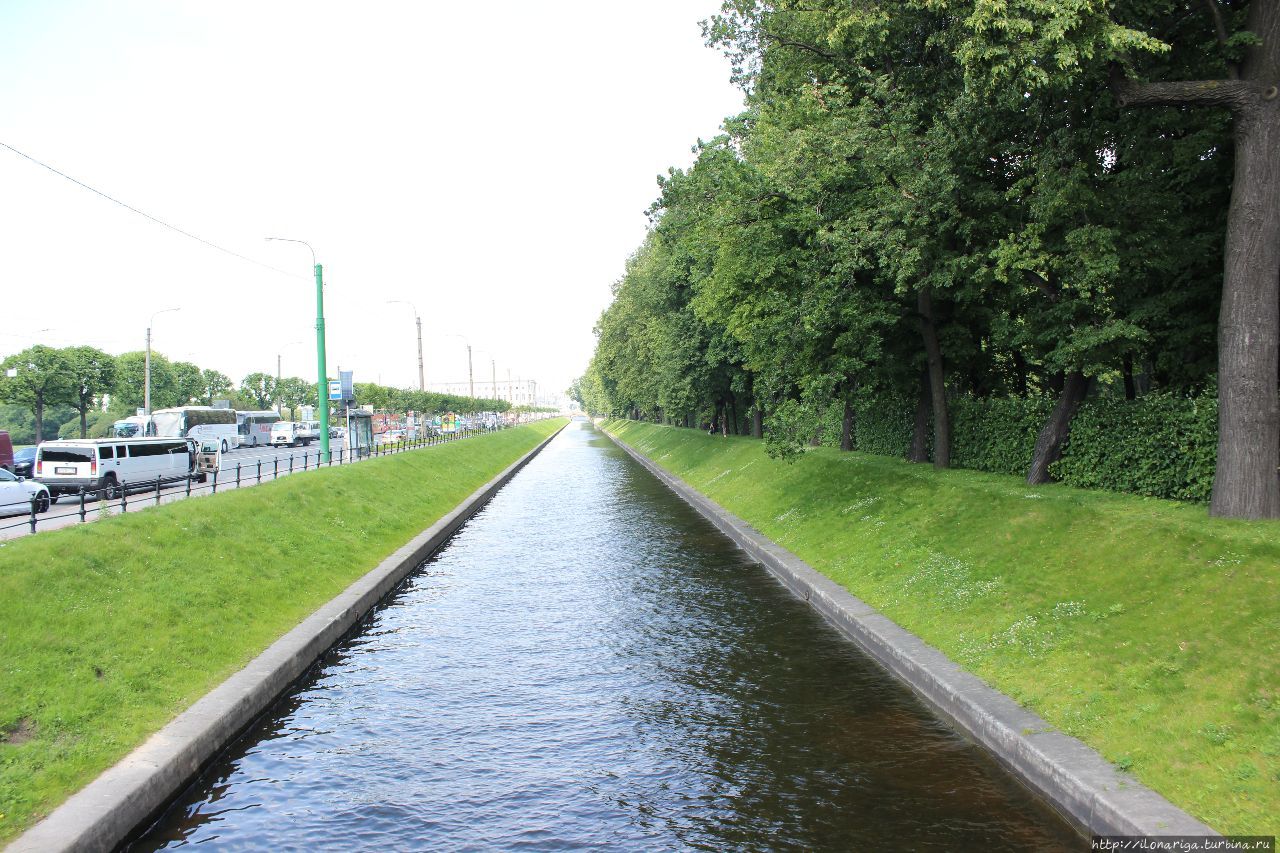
[146,373]
[322,377]
[422,385]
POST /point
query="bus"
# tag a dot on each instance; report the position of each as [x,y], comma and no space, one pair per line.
[200,423]
[254,428]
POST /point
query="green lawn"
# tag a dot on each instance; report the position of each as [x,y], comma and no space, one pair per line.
[1143,627]
[110,629]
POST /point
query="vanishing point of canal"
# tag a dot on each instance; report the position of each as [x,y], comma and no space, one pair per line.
[590,664]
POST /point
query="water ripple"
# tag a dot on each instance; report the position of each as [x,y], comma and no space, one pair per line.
[589,665]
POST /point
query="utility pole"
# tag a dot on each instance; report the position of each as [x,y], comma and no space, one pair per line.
[417,318]
[422,382]
[146,370]
[471,377]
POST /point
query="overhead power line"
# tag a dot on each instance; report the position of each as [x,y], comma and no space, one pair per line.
[146,215]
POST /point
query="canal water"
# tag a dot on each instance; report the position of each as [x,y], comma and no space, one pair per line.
[590,664]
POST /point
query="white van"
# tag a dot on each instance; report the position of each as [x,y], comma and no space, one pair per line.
[112,464]
[293,433]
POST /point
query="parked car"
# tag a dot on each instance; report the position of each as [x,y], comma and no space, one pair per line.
[24,461]
[6,451]
[16,494]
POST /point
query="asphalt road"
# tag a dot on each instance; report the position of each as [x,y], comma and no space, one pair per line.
[255,464]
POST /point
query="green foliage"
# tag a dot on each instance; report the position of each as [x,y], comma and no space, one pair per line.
[996,434]
[260,388]
[402,401]
[883,426]
[1163,446]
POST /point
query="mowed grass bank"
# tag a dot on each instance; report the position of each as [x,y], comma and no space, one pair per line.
[110,629]
[1141,626]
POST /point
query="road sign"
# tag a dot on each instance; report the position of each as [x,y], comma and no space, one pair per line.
[335,389]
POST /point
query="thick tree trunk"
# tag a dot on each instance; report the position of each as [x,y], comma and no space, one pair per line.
[84,421]
[1246,483]
[937,380]
[733,413]
[1056,429]
[846,426]
[757,421]
[39,413]
[919,451]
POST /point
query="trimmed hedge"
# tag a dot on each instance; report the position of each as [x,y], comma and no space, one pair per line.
[1161,445]
[996,434]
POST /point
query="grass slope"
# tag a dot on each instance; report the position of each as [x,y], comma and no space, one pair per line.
[108,630]
[1143,627]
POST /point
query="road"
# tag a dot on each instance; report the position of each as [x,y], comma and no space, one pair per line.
[256,464]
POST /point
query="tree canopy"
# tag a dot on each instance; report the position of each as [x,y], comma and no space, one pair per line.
[933,199]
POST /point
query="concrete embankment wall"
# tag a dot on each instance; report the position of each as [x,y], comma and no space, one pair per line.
[1089,791]
[127,797]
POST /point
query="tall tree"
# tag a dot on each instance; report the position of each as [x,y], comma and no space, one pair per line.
[188,382]
[40,377]
[214,385]
[91,372]
[130,380]
[1032,42]
[259,387]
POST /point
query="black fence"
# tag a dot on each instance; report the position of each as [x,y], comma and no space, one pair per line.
[93,503]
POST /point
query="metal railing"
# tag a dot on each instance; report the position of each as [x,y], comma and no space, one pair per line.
[112,500]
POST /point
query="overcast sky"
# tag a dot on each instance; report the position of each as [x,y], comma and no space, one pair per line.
[490,163]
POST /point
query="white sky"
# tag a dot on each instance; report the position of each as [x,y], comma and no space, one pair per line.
[490,163]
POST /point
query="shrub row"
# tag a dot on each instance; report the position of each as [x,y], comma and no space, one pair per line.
[1161,445]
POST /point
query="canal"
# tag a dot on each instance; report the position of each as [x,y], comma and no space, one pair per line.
[590,664]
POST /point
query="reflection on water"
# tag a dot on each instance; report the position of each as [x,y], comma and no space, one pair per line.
[590,664]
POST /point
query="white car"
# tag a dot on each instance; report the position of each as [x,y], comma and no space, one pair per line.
[16,494]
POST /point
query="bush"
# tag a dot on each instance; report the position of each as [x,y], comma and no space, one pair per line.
[996,434]
[1161,445]
[884,427]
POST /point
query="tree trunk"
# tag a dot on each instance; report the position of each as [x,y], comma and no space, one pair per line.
[1246,483]
[757,421]
[84,420]
[1056,429]
[937,380]
[733,412]
[919,451]
[39,413]
[846,426]
[1020,366]
[1130,391]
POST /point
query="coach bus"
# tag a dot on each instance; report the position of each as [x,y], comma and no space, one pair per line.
[200,423]
[254,428]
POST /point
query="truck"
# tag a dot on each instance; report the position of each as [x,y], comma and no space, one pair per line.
[294,433]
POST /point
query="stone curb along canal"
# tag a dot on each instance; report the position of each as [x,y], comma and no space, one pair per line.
[1096,797]
[126,796]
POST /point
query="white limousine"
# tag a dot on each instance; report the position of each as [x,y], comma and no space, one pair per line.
[112,464]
